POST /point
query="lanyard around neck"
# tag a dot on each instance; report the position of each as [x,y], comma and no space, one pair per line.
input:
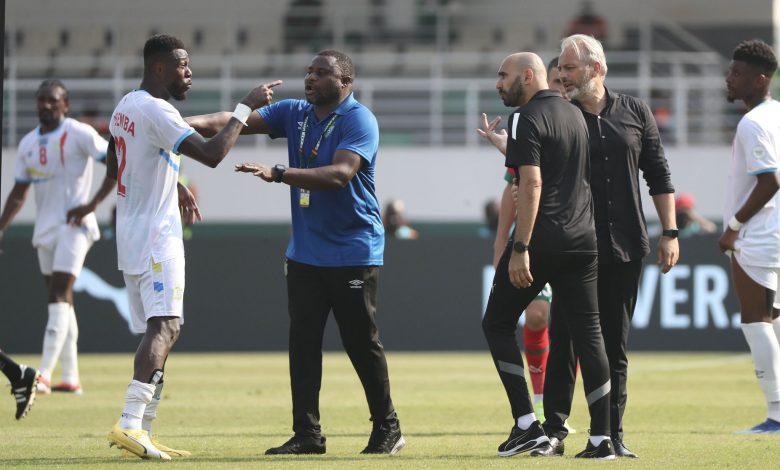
[305,163]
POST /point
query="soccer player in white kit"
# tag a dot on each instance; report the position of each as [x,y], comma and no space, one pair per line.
[57,158]
[147,136]
[752,217]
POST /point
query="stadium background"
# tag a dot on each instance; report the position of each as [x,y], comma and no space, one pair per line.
[426,68]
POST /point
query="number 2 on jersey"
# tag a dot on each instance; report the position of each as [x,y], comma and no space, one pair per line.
[121,155]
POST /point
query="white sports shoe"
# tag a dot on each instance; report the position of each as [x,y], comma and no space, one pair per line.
[44,386]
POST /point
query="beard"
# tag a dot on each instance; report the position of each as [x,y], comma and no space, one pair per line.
[178,91]
[179,95]
[514,95]
[47,118]
[323,97]
[586,88]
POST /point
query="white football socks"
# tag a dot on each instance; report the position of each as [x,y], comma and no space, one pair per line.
[150,413]
[525,421]
[69,357]
[596,440]
[54,337]
[765,350]
[773,410]
[138,396]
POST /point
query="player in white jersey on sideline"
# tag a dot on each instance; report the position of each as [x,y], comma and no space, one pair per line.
[56,157]
[752,217]
[147,136]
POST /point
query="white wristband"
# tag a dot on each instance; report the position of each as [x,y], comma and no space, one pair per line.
[242,112]
[735,224]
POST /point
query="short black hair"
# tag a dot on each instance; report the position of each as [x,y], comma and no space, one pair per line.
[53,83]
[342,60]
[553,64]
[160,44]
[758,54]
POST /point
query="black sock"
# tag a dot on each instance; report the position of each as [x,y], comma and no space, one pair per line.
[10,368]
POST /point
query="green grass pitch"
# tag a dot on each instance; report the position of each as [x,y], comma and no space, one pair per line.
[228,408]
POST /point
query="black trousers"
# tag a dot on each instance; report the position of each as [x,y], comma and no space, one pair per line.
[617,292]
[574,274]
[350,292]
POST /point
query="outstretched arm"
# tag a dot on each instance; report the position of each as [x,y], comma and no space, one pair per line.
[208,125]
[334,176]
[212,151]
[705,224]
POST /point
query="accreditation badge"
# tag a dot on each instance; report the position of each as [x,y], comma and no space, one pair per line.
[303,200]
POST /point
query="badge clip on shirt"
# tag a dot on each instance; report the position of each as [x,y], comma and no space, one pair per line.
[305,196]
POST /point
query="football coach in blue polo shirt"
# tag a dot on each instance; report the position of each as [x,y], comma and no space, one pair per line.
[337,242]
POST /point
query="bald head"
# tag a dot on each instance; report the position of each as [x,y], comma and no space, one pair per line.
[521,75]
[529,61]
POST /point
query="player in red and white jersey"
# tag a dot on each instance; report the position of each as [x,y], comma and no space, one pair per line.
[147,136]
[57,158]
[147,133]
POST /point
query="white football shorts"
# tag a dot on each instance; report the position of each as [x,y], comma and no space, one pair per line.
[158,292]
[764,276]
[67,253]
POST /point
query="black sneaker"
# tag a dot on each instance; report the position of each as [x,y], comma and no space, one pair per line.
[24,390]
[300,445]
[554,448]
[386,438]
[621,450]
[603,451]
[523,440]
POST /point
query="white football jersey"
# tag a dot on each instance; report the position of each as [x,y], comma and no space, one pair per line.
[756,150]
[59,166]
[147,133]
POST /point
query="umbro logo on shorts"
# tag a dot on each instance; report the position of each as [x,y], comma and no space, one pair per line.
[356,284]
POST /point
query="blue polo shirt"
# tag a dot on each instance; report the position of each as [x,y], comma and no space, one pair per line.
[341,227]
